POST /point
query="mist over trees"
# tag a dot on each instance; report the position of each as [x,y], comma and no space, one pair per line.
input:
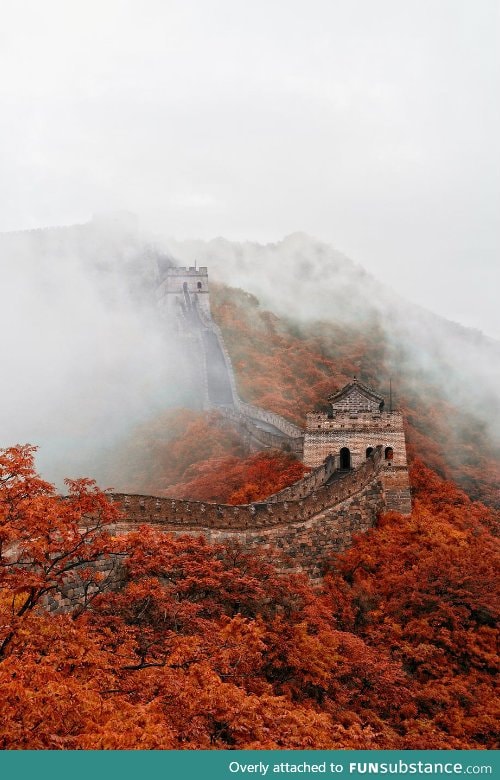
[188,128]
[210,647]
[94,367]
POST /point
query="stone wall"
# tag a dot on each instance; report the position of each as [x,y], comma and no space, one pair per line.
[396,488]
[76,592]
[258,438]
[285,426]
[209,324]
[296,536]
[312,481]
[306,531]
[326,435]
[306,545]
[300,527]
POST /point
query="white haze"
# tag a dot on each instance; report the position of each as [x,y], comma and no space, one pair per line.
[303,279]
[84,355]
[373,125]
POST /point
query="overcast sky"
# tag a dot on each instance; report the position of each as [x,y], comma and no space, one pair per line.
[371,124]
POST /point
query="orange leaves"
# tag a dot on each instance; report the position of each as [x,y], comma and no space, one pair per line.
[161,453]
[234,480]
[426,589]
[207,647]
[47,541]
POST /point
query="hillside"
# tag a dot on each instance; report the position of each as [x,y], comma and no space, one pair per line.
[291,368]
[95,377]
[210,647]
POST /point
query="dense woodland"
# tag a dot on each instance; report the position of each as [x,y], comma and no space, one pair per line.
[209,646]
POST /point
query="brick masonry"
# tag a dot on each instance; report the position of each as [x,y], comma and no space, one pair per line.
[306,523]
[300,527]
[357,424]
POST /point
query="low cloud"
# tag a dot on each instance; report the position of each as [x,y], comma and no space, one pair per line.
[85,355]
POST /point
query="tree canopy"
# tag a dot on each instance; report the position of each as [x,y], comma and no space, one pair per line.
[209,646]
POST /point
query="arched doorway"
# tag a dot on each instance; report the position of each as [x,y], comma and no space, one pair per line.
[345,458]
[369,451]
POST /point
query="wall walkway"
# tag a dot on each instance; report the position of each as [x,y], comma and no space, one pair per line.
[306,523]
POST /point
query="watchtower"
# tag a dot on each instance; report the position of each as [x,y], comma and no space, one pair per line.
[183,288]
[355,424]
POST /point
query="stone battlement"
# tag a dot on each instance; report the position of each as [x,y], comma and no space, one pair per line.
[183,271]
[302,526]
[305,531]
[315,479]
[285,426]
[353,421]
[355,425]
[299,506]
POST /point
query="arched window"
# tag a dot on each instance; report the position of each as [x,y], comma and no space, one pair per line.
[369,451]
[199,285]
[345,458]
[389,453]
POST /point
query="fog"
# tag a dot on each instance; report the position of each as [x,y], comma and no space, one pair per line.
[308,281]
[373,126]
[85,356]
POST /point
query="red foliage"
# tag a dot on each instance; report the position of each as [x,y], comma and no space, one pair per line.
[290,368]
[234,480]
[208,647]
[426,590]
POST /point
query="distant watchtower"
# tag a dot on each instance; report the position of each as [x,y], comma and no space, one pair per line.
[355,425]
[185,288]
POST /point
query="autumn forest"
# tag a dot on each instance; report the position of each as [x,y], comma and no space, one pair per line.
[211,647]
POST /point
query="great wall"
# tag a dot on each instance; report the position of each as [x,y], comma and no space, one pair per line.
[357,453]
[301,527]
[305,531]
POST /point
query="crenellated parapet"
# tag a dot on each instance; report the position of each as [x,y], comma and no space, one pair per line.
[300,527]
[357,423]
[305,529]
[271,418]
[300,501]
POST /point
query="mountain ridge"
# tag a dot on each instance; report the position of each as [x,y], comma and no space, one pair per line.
[310,290]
